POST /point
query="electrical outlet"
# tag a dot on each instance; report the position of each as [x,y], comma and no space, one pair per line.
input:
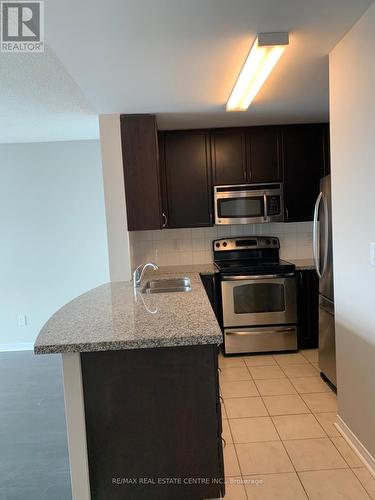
[372,253]
[22,320]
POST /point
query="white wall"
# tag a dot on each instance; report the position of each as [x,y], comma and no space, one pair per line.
[53,243]
[194,246]
[114,192]
[352,102]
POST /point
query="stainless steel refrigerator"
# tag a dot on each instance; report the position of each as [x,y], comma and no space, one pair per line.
[323,260]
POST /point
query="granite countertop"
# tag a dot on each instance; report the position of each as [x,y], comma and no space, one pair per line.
[111,317]
[303,264]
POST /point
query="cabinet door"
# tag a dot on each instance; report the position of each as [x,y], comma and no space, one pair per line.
[152,413]
[303,162]
[163,180]
[308,309]
[141,171]
[327,150]
[264,160]
[188,178]
[228,149]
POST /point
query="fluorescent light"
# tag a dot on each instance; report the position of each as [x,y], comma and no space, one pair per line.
[263,56]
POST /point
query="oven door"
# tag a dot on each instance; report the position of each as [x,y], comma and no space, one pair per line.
[259,300]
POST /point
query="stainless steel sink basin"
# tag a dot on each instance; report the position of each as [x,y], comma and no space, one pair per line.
[167,285]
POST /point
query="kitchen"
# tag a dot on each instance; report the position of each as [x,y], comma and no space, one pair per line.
[196,316]
[263,304]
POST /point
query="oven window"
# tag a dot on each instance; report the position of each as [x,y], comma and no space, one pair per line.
[259,298]
[229,208]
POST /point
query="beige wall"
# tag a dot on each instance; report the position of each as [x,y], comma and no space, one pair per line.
[352,109]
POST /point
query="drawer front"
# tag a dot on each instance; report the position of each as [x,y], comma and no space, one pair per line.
[274,338]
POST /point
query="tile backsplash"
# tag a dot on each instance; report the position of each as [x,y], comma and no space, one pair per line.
[170,247]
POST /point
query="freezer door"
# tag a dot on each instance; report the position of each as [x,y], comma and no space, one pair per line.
[327,344]
[322,238]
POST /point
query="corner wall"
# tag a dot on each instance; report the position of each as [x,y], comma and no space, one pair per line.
[53,243]
[352,110]
[114,193]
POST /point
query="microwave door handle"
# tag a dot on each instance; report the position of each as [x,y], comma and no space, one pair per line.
[265,206]
[315,235]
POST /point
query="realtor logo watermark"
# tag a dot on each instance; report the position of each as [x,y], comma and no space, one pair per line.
[22,26]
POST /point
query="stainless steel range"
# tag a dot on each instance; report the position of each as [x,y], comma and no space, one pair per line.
[258,293]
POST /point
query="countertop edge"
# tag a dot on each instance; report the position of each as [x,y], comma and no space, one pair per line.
[118,346]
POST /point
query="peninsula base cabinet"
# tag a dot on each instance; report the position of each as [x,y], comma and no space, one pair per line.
[153,423]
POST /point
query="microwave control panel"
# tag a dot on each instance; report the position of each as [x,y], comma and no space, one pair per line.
[273,205]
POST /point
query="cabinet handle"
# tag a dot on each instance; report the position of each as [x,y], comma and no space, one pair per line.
[287,213]
[165,220]
[300,279]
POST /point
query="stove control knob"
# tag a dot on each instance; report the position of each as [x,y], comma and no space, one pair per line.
[268,241]
[224,244]
[275,242]
[217,245]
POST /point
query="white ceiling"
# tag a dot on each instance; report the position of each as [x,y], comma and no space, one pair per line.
[178,59]
[39,101]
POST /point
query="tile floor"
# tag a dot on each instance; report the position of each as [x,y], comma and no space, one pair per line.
[281,443]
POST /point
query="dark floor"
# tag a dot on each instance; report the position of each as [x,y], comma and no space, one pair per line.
[34,461]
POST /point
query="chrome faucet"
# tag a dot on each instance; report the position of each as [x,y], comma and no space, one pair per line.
[139,271]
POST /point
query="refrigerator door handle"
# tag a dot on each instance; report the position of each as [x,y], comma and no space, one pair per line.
[326,235]
[315,235]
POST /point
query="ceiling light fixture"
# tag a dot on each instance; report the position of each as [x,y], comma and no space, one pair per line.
[263,56]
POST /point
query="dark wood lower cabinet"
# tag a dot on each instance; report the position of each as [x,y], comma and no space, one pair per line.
[212,287]
[308,309]
[153,423]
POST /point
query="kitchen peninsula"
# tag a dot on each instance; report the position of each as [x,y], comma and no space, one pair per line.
[141,391]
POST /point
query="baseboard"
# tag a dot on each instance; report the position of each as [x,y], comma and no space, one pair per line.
[26,346]
[356,445]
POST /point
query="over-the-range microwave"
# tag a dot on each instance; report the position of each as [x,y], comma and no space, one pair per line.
[249,203]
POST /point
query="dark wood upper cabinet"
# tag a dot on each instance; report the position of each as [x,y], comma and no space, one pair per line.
[303,164]
[187,173]
[141,171]
[179,193]
[228,151]
[327,150]
[263,154]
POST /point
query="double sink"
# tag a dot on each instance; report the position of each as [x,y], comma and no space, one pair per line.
[167,285]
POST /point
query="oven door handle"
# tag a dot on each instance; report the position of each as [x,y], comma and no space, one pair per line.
[281,330]
[256,277]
